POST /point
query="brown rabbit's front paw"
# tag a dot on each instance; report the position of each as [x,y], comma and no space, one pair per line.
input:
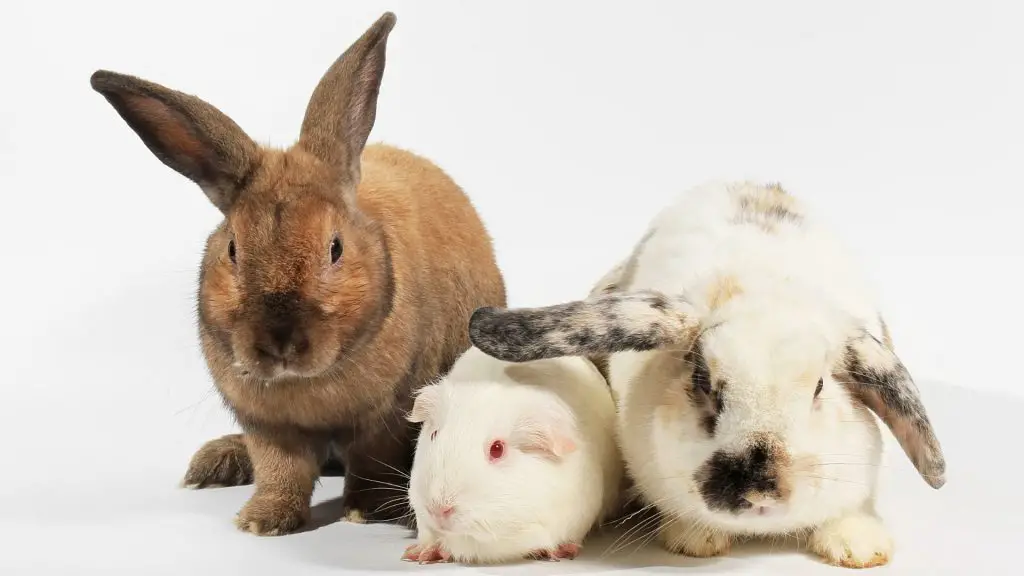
[272,515]
[221,462]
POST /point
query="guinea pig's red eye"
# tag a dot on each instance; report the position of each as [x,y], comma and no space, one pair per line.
[497,450]
[433,434]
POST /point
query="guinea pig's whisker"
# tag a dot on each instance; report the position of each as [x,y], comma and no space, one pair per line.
[396,470]
[376,488]
[381,483]
[390,505]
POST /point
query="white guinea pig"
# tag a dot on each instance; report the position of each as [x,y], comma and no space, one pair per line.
[745,349]
[513,460]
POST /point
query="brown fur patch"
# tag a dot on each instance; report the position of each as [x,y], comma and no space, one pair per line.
[223,461]
[723,290]
[781,464]
[360,334]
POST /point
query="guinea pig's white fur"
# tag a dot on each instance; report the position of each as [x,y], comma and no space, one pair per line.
[718,329]
[558,475]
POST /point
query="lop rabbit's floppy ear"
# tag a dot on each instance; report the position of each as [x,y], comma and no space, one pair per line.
[876,376]
[343,107]
[185,133]
[602,324]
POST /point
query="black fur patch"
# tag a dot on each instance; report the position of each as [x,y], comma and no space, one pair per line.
[703,395]
[726,478]
[890,384]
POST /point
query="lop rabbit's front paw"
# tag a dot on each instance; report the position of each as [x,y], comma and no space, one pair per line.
[681,537]
[857,541]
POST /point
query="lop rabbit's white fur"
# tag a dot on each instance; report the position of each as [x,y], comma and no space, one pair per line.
[513,460]
[745,349]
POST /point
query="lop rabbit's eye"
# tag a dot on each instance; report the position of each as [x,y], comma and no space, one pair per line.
[497,450]
[335,250]
[433,434]
[231,251]
[817,390]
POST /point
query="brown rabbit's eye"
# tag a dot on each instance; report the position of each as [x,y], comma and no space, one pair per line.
[335,250]
[231,251]
[821,382]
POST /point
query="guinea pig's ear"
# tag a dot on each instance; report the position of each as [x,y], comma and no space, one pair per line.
[548,431]
[602,324]
[876,376]
[425,403]
[185,133]
[342,110]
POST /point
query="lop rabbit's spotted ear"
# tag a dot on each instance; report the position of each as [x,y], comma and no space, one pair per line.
[601,324]
[343,107]
[876,376]
[185,133]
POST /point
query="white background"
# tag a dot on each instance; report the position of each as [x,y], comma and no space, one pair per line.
[569,124]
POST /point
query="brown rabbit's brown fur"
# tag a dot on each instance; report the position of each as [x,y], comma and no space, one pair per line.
[341,280]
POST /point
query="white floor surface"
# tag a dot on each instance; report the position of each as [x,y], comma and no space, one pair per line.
[149,526]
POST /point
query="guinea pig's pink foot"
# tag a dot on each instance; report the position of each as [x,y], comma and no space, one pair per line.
[566,551]
[426,554]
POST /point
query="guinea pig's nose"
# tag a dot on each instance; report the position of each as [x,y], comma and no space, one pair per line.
[441,511]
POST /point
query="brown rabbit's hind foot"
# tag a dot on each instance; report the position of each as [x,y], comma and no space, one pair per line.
[355,516]
[219,463]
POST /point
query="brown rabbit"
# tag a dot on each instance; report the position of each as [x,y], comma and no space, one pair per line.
[340,281]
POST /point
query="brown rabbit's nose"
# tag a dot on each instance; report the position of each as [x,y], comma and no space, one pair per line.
[282,342]
[282,337]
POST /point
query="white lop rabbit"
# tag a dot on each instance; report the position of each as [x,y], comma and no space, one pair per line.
[745,349]
[513,460]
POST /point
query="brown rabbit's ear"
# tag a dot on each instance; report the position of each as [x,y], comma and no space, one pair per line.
[877,377]
[343,107]
[185,133]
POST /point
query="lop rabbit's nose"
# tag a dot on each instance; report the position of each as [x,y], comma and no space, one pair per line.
[763,505]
